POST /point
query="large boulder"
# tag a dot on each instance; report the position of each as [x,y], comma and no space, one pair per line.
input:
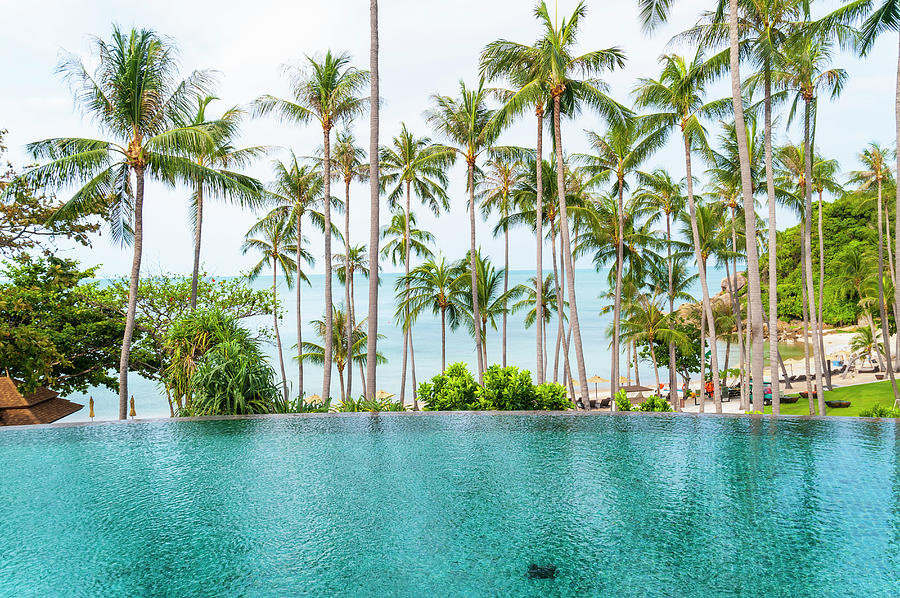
[738,281]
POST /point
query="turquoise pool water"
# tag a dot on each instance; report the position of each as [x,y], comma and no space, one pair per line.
[452,505]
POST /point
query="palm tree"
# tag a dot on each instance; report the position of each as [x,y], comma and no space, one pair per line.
[342,360]
[495,189]
[432,286]
[855,277]
[666,196]
[346,266]
[221,156]
[139,102]
[468,123]
[678,94]
[349,165]
[529,302]
[275,241]
[824,178]
[374,199]
[618,155]
[559,66]
[865,342]
[876,171]
[646,322]
[414,163]
[296,192]
[326,91]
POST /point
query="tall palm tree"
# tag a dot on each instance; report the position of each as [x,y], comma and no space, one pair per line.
[647,321]
[802,70]
[876,170]
[137,99]
[275,241]
[410,164]
[495,189]
[222,157]
[678,95]
[432,286]
[529,302]
[374,198]
[296,192]
[560,65]
[472,127]
[663,193]
[349,165]
[326,91]
[618,155]
[347,265]
[824,178]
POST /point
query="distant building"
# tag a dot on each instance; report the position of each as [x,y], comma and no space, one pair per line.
[43,406]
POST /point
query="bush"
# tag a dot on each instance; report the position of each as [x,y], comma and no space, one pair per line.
[654,403]
[504,389]
[623,403]
[362,405]
[454,390]
[550,396]
[298,405]
[879,410]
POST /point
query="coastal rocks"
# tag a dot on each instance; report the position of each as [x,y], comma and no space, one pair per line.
[738,282]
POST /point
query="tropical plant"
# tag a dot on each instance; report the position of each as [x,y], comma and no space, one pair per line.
[326,91]
[138,101]
[347,265]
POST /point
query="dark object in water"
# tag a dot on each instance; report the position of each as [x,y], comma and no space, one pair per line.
[837,404]
[539,572]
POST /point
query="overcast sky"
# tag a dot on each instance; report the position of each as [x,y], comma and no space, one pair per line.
[427,46]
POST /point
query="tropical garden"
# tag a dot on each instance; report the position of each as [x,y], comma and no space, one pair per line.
[654,235]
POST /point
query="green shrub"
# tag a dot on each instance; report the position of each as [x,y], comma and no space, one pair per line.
[298,405]
[506,389]
[550,396]
[623,403]
[879,410]
[233,378]
[363,405]
[454,390]
[654,403]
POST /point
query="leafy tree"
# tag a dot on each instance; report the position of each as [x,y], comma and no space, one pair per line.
[53,333]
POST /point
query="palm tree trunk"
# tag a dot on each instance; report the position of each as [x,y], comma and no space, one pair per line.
[539,242]
[443,339]
[406,331]
[298,257]
[807,257]
[403,367]
[637,373]
[617,296]
[374,197]
[351,315]
[505,285]
[784,372]
[736,309]
[886,338]
[133,283]
[773,245]
[348,281]
[628,363]
[754,295]
[891,268]
[412,359]
[329,312]
[673,381]
[804,298]
[341,383]
[284,390]
[476,314]
[655,367]
[198,232]
[701,267]
[702,360]
[567,251]
[826,369]
[559,303]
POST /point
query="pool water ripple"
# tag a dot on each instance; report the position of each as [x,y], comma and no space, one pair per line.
[452,505]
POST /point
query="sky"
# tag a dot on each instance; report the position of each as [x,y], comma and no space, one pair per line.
[427,47]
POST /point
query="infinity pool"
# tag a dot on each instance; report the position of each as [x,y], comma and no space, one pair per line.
[452,505]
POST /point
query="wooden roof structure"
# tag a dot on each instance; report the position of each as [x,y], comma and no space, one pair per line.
[43,406]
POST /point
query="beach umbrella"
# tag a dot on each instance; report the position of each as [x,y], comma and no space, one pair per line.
[313,399]
[91,409]
[132,413]
[597,381]
[383,394]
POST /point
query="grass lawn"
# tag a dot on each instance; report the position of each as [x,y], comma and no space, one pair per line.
[861,397]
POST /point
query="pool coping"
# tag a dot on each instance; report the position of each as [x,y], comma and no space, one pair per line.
[570,413]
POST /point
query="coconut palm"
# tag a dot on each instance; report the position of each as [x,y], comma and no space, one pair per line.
[315,352]
[223,157]
[296,192]
[347,265]
[678,95]
[326,91]
[410,164]
[648,321]
[875,171]
[473,128]
[495,191]
[618,155]
[275,240]
[374,199]
[137,99]
[529,302]
[855,277]
[432,286]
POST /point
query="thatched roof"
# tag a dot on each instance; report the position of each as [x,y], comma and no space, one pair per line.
[43,406]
